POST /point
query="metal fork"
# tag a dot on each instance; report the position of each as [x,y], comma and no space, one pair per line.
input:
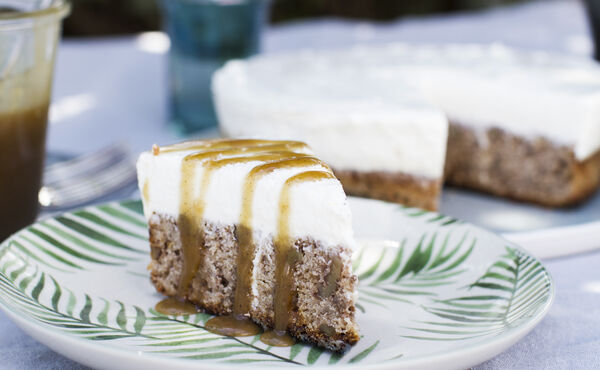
[87,178]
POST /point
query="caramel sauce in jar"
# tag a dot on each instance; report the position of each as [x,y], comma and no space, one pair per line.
[277,338]
[22,148]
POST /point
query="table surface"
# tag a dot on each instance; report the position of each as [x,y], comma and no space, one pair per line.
[114,89]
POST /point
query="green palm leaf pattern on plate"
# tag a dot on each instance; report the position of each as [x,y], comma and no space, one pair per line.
[398,275]
[83,274]
[511,290]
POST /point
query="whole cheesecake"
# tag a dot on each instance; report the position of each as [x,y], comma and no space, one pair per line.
[254,229]
[396,121]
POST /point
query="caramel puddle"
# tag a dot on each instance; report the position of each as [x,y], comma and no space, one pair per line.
[277,338]
[232,326]
[174,307]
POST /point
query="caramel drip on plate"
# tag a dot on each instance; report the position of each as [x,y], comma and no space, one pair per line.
[239,144]
[190,229]
[175,307]
[271,156]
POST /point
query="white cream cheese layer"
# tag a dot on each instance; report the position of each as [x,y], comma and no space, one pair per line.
[319,209]
[528,94]
[354,118]
[383,108]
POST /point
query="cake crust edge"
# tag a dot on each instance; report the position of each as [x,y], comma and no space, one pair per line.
[397,187]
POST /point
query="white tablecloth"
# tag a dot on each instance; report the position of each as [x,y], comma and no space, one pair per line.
[114,89]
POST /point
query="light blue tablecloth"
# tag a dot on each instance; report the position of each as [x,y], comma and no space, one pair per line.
[114,89]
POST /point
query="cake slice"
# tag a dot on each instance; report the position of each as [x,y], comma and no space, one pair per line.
[253,229]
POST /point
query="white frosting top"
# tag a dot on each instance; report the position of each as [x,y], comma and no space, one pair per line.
[529,94]
[354,118]
[380,108]
[161,176]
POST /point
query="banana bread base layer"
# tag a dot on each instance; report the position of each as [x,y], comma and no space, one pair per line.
[328,322]
[532,170]
[412,191]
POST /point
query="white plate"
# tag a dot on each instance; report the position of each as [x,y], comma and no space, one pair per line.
[439,293]
[544,232]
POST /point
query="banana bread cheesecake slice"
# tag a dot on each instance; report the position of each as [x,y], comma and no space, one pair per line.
[255,231]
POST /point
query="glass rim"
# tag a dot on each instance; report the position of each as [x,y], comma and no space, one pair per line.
[58,8]
[218,2]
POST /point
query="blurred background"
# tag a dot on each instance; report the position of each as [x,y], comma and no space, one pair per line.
[142,70]
[117,80]
[115,17]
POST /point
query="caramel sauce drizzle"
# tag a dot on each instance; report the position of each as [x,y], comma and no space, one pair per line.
[277,338]
[146,191]
[191,208]
[213,155]
[244,235]
[285,258]
[232,326]
[174,306]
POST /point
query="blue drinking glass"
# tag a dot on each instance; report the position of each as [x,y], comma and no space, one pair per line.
[593,10]
[204,35]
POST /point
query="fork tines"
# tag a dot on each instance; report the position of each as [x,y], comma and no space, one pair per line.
[83,179]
